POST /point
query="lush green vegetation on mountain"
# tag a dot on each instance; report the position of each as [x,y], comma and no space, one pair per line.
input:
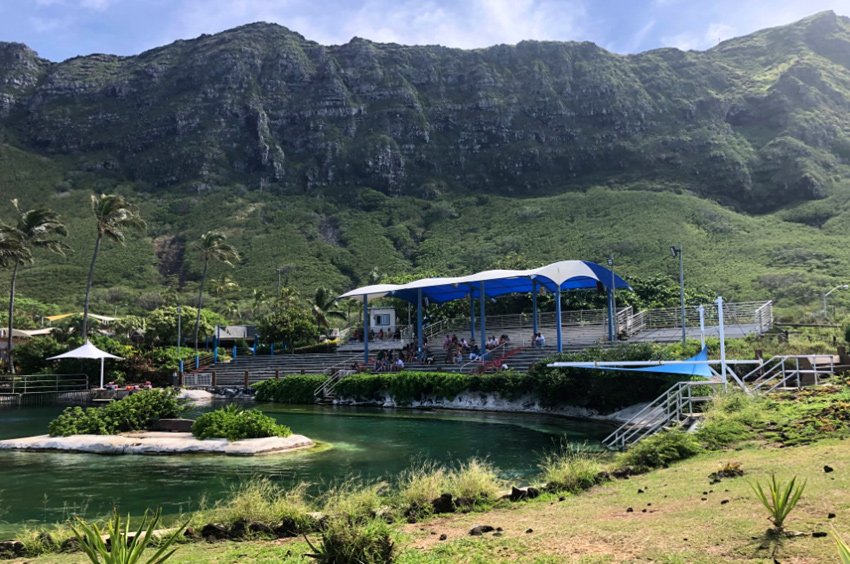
[363,161]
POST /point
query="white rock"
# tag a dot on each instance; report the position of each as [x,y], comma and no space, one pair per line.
[149,442]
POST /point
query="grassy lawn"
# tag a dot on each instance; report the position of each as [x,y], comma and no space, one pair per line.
[679,517]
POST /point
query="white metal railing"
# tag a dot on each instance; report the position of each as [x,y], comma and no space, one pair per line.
[764,317]
[327,387]
[580,317]
[335,374]
[742,313]
[197,380]
[790,371]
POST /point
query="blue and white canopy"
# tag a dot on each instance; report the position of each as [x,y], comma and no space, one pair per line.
[565,274]
[697,365]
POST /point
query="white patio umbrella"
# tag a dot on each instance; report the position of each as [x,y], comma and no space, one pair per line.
[88,350]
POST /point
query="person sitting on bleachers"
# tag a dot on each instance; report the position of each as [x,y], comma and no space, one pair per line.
[539,341]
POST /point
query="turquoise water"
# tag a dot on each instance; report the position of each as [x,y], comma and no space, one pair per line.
[371,443]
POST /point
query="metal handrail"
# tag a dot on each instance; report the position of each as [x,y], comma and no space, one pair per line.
[480,361]
[43,383]
[334,370]
[668,408]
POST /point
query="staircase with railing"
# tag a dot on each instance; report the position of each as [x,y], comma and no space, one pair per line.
[678,405]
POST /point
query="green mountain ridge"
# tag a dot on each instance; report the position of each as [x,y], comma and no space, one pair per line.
[351,160]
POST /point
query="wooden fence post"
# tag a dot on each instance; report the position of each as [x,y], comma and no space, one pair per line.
[246,379]
[277,374]
[213,381]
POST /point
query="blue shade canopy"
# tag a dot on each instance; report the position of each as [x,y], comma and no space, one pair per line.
[566,275]
[697,368]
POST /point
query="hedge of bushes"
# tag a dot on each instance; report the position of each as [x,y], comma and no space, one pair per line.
[297,388]
[135,412]
[603,391]
[234,424]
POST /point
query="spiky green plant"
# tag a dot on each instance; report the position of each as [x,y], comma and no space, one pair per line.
[124,548]
[779,499]
[843,548]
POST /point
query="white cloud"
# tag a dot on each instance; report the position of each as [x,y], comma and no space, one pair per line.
[98,5]
[713,34]
[49,25]
[475,23]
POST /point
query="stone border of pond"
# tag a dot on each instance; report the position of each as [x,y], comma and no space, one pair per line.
[157,443]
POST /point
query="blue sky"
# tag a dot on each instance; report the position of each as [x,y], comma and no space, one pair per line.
[59,29]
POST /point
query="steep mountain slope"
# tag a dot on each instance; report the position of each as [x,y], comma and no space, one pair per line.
[345,159]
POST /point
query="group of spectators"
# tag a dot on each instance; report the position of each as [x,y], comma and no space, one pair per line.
[381,335]
[456,349]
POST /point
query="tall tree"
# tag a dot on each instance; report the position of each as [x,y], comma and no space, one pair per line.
[38,228]
[212,245]
[13,251]
[114,215]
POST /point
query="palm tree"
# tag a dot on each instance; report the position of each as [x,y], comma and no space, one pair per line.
[34,229]
[114,214]
[324,308]
[13,251]
[224,285]
[212,245]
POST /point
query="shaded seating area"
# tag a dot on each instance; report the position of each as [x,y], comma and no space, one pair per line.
[558,277]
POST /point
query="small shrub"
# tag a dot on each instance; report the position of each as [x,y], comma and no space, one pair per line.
[261,501]
[418,487]
[124,548]
[364,543]
[474,482]
[353,500]
[779,499]
[727,470]
[571,469]
[234,424]
[135,412]
[660,450]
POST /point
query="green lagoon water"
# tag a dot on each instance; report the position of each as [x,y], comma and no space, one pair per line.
[40,488]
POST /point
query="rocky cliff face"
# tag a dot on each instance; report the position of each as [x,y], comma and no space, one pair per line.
[756,122]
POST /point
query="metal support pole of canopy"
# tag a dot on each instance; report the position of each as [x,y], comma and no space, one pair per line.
[558,319]
[420,338]
[471,317]
[534,318]
[483,319]
[365,329]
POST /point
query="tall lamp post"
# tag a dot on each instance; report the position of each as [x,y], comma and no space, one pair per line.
[180,336]
[612,324]
[677,252]
[839,287]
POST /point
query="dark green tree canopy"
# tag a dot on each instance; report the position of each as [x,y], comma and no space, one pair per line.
[289,320]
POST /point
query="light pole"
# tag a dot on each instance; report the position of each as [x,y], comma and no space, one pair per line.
[839,287]
[677,252]
[180,336]
[613,304]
